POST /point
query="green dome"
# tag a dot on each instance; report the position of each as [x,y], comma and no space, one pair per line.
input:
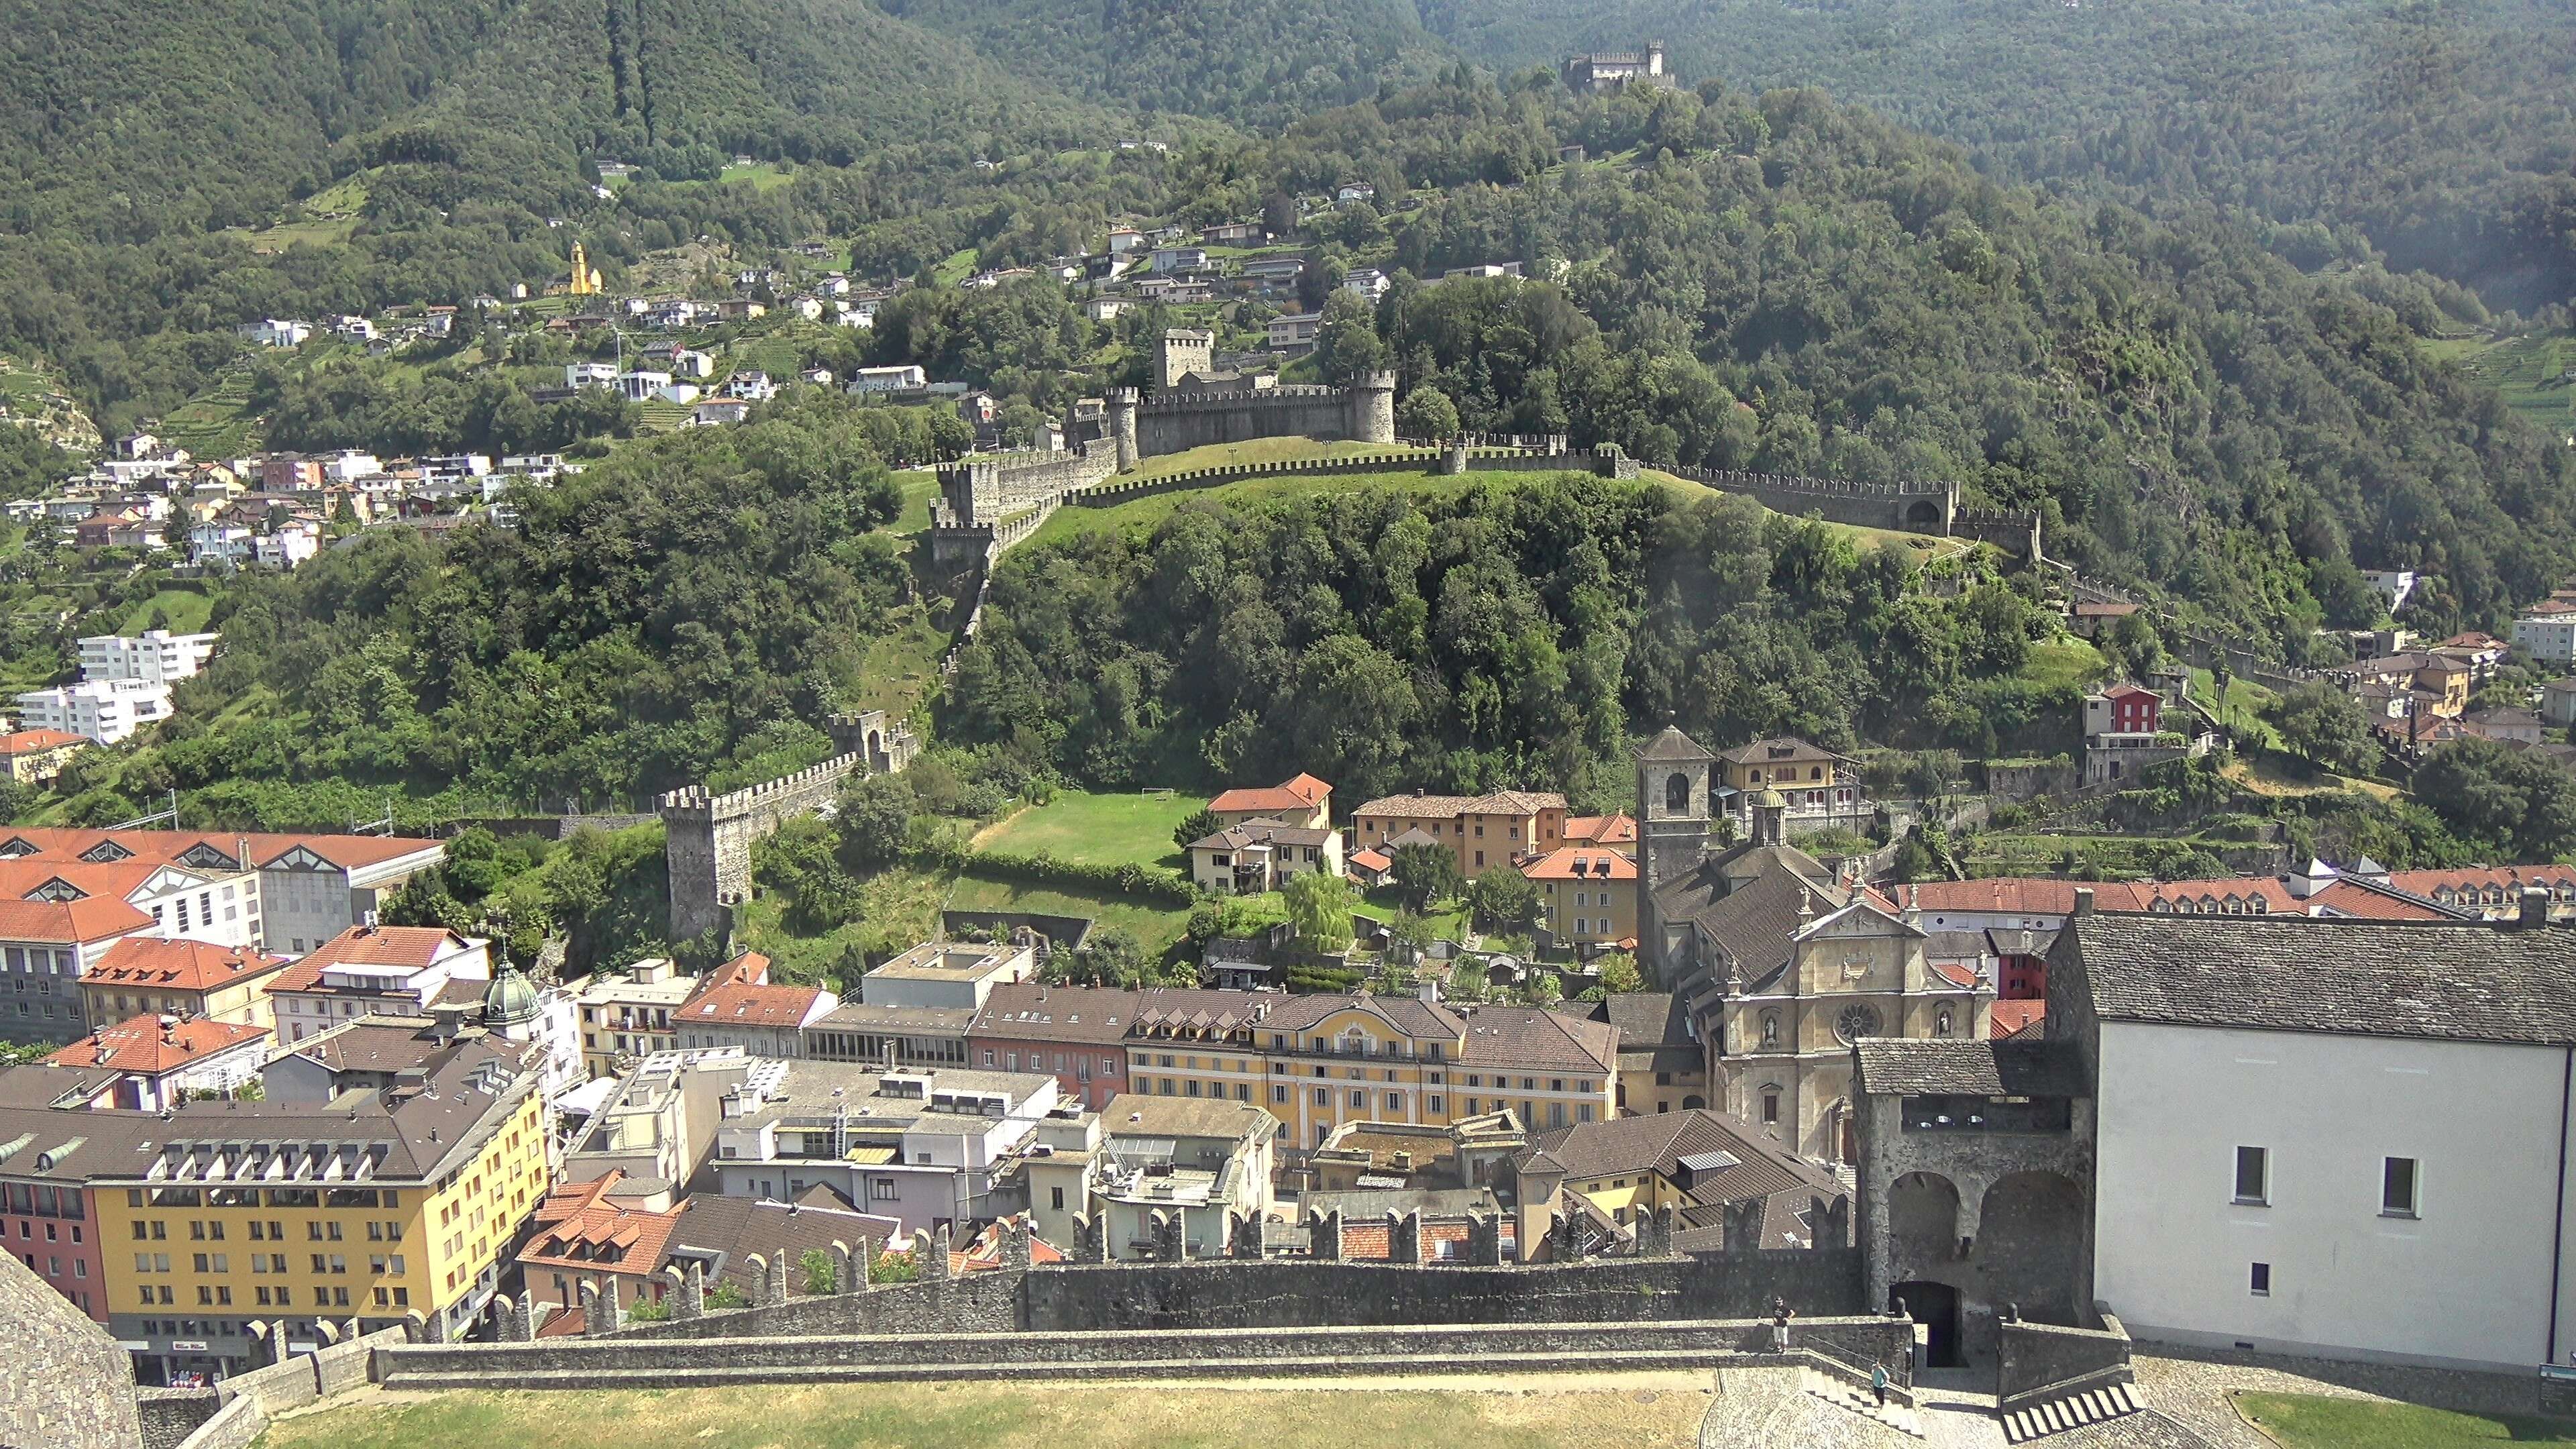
[511,999]
[1770,800]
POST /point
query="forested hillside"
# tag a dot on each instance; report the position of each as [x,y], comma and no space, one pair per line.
[1260,62]
[2441,129]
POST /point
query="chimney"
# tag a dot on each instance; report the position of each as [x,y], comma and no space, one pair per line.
[2083,900]
[2534,908]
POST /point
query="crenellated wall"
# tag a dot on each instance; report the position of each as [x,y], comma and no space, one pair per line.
[1176,423]
[708,838]
[1925,507]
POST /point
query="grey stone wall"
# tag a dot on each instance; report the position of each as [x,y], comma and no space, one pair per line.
[171,1415]
[2033,1358]
[64,1384]
[1178,423]
[236,1425]
[708,838]
[1916,507]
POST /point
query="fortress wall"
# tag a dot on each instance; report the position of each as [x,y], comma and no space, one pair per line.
[1178,424]
[708,839]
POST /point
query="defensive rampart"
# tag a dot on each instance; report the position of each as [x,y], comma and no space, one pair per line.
[708,838]
[1177,422]
[1914,507]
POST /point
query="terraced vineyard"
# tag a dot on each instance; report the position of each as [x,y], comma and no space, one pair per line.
[216,424]
[2536,374]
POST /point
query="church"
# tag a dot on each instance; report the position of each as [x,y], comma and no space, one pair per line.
[1778,960]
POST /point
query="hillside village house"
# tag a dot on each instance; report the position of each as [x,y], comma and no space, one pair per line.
[1589,895]
[32,757]
[736,1004]
[1821,788]
[159,1061]
[1484,830]
[1262,855]
[1303,801]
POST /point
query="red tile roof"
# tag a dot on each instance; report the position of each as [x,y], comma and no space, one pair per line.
[1955,972]
[2011,1017]
[1601,830]
[1299,794]
[2019,895]
[578,1227]
[144,1046]
[751,1006]
[65,923]
[1580,863]
[748,969]
[28,742]
[183,965]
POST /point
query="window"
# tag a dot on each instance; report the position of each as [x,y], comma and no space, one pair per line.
[1323,1096]
[1058,1194]
[1434,1104]
[1279,1093]
[2259,1282]
[2253,1176]
[2397,1187]
[1771,1106]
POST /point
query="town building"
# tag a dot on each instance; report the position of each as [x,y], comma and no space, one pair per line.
[947,975]
[45,948]
[660,1124]
[738,1005]
[1302,801]
[161,1061]
[378,970]
[2305,1124]
[1783,962]
[1662,1065]
[1588,896]
[1078,1035]
[899,1036]
[33,757]
[2549,638]
[1483,830]
[156,656]
[103,711]
[2123,733]
[1262,855]
[929,1149]
[151,974]
[1696,1163]
[377,1208]
[1599,74]
[1821,789]
[627,1015]
[1172,1175]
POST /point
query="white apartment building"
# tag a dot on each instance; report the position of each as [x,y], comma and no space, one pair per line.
[590,374]
[2338,1138]
[2549,638]
[156,655]
[888,379]
[108,711]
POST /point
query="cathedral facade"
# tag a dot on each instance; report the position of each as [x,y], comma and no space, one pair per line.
[1780,961]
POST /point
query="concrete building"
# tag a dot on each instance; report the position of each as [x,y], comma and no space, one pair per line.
[379,970]
[32,757]
[737,1005]
[1173,1172]
[661,1124]
[628,1015]
[930,1149]
[45,948]
[156,656]
[1078,1035]
[2548,638]
[2339,1138]
[103,711]
[947,975]
[900,1036]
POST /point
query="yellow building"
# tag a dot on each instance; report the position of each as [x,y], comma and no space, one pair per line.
[1317,1062]
[405,1205]
[1484,830]
[180,978]
[626,1015]
[1588,894]
[35,756]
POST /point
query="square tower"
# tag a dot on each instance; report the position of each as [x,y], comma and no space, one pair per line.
[1673,812]
[1184,351]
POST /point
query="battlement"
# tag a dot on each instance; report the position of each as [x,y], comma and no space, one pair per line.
[1734,479]
[1178,401]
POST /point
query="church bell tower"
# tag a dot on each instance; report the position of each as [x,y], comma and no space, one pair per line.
[1673,810]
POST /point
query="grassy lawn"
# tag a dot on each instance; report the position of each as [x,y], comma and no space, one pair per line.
[2063,660]
[899,909]
[959,266]
[1142,515]
[902,666]
[920,489]
[1258,450]
[1088,829]
[1154,927]
[974,1416]
[186,609]
[763,176]
[2528,372]
[2307,1421]
[1385,904]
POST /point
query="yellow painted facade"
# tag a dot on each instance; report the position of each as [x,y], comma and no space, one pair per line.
[1356,1066]
[376,1251]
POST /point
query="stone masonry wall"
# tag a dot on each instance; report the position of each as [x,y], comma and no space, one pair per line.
[2032,1358]
[1178,424]
[1916,507]
[64,1384]
[171,1415]
[708,839]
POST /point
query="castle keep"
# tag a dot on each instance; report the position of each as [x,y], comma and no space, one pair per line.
[708,837]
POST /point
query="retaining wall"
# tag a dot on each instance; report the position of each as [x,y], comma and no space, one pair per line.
[171,1415]
[2035,1360]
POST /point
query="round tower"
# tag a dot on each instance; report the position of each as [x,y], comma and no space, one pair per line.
[1373,408]
[1122,425]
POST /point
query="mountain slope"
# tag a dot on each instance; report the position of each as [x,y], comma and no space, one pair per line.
[2441,128]
[144,116]
[1252,61]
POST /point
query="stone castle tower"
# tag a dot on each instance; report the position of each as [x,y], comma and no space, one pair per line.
[1674,806]
[1183,351]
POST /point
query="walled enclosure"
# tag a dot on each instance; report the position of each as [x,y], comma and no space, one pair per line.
[708,838]
[1176,423]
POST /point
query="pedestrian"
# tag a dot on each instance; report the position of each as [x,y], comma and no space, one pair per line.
[1878,1382]
[1780,1325]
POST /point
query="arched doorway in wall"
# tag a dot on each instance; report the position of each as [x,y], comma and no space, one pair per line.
[1925,513]
[2030,1237]
[1936,1307]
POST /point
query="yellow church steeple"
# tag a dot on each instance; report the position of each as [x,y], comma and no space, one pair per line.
[585,278]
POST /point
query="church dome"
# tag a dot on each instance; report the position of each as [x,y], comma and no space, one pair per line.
[1770,800]
[511,999]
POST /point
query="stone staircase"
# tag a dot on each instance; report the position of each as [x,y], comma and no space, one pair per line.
[2072,1412]
[1841,1394]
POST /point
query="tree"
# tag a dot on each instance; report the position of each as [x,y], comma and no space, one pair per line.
[1411,932]
[16,798]
[822,1275]
[2322,724]
[1319,906]
[2519,803]
[1424,873]
[1619,972]
[1542,988]
[1427,413]
[875,818]
[1199,826]
[1347,346]
[1505,899]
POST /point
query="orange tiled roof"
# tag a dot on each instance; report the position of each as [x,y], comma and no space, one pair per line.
[2011,1017]
[577,1227]
[143,1045]
[1601,830]
[2021,895]
[28,742]
[64,923]
[1580,863]
[180,965]
[751,1006]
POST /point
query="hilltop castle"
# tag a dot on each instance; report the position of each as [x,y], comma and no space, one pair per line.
[1600,74]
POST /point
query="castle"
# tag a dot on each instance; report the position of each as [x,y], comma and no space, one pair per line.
[1601,74]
